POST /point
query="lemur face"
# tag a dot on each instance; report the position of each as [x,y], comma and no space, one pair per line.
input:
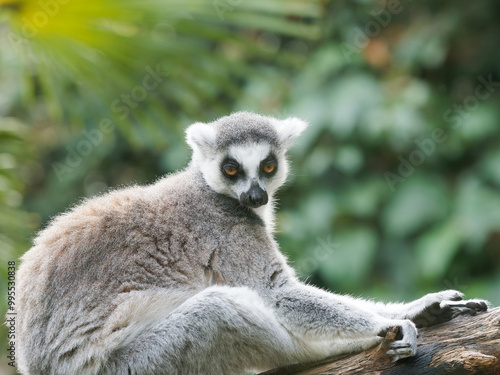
[243,155]
[249,170]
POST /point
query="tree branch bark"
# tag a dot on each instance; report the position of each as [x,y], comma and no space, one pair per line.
[465,345]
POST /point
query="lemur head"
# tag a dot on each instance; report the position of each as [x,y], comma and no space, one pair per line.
[243,155]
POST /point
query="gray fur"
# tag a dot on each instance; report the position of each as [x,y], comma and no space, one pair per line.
[178,278]
[243,127]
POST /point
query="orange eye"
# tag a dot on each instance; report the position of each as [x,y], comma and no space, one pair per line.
[269,168]
[230,171]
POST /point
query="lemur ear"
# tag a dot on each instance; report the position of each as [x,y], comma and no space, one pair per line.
[200,137]
[289,129]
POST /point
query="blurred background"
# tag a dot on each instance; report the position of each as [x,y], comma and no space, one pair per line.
[395,186]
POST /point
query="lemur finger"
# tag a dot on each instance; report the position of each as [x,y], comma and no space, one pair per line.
[473,304]
[462,311]
[406,352]
[399,344]
[448,295]
[477,305]
[469,307]
[458,297]
[400,353]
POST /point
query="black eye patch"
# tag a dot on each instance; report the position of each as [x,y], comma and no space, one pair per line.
[230,168]
[269,166]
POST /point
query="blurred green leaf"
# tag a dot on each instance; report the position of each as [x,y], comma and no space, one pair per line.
[490,163]
[318,211]
[479,122]
[349,159]
[363,198]
[418,201]
[478,211]
[348,262]
[109,49]
[343,110]
[436,248]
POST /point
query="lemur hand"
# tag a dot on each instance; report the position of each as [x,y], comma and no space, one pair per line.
[405,344]
[445,305]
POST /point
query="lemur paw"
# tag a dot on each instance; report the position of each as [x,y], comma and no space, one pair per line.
[405,343]
[444,306]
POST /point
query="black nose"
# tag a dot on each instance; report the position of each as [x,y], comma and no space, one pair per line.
[254,197]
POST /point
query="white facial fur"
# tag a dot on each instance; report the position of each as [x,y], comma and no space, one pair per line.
[249,157]
[201,138]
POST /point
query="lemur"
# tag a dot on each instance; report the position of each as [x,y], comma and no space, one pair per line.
[183,276]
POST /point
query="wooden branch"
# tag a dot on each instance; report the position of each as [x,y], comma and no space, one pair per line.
[465,345]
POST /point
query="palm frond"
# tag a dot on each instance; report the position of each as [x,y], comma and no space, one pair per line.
[105,48]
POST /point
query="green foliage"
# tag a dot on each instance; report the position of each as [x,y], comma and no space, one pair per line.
[101,54]
[394,189]
[16,223]
[403,141]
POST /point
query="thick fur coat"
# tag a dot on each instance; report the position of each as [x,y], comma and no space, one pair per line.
[179,277]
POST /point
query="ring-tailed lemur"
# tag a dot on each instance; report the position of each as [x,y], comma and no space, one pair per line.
[184,277]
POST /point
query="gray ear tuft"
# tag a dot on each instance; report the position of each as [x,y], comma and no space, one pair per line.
[289,129]
[201,137]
